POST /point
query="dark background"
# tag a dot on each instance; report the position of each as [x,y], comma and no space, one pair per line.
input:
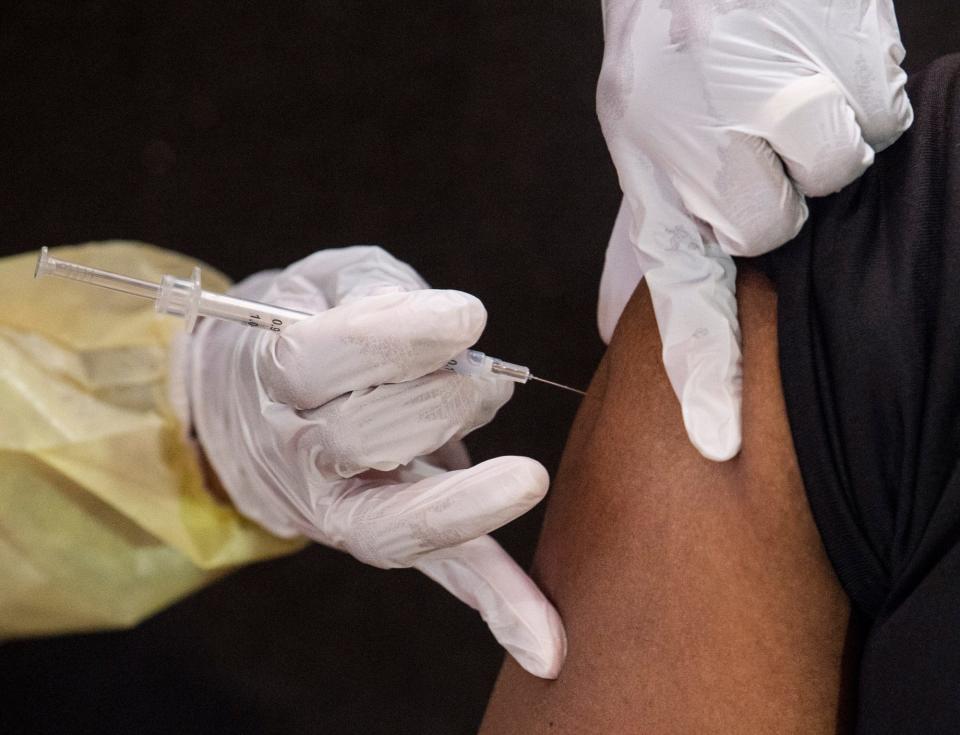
[462,137]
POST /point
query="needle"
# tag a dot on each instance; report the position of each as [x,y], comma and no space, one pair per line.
[557,385]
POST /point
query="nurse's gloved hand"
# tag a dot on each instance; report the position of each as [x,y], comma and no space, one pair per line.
[344,428]
[720,116]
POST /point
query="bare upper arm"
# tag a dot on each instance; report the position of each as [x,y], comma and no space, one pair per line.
[696,595]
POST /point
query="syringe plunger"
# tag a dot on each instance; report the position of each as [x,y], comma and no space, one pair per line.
[47,265]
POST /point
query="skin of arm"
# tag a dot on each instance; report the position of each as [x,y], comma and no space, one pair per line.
[697,596]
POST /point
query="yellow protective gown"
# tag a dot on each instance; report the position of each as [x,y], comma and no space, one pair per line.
[104,515]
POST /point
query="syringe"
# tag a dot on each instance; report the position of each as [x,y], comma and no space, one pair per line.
[187,299]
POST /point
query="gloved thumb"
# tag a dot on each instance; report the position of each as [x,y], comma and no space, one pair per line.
[815,132]
[875,84]
[482,575]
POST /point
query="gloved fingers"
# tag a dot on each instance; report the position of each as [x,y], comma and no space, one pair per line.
[387,338]
[389,525]
[386,427]
[750,202]
[692,286]
[875,84]
[697,318]
[331,277]
[815,132]
[482,575]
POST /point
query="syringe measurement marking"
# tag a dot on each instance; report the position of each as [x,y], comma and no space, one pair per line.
[255,321]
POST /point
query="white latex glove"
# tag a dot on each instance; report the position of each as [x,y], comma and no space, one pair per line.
[720,115]
[343,428]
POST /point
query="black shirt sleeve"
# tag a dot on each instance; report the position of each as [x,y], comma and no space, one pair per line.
[869,325]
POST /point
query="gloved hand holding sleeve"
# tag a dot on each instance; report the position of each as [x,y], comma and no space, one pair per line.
[720,116]
[344,428]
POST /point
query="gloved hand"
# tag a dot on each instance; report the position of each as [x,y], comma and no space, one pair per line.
[344,428]
[720,115]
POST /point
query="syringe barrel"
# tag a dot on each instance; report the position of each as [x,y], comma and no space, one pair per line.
[251,313]
[188,300]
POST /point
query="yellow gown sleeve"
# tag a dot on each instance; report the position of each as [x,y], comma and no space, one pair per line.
[104,516]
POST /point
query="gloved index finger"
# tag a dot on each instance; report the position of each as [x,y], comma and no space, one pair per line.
[692,286]
[385,338]
[696,313]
